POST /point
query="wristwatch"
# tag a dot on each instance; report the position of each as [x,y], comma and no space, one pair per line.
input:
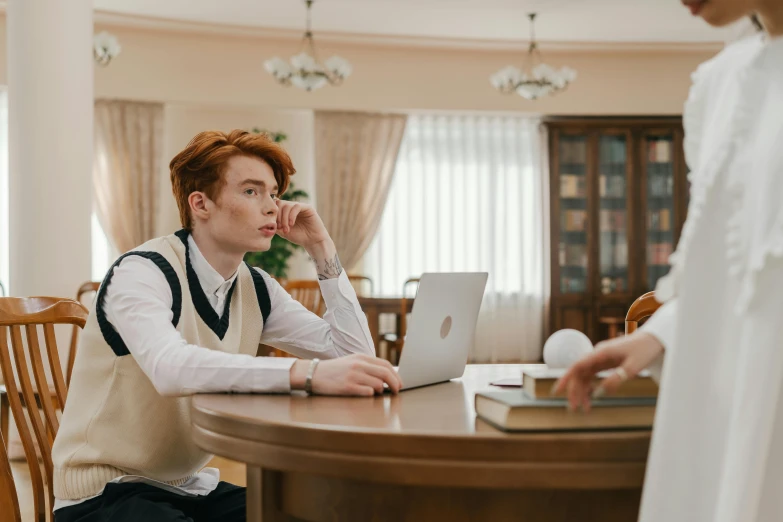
[309,380]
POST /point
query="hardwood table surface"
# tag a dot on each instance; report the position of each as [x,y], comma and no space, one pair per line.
[419,455]
[428,435]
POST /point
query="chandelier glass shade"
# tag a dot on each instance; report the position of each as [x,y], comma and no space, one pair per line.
[105,47]
[537,79]
[304,70]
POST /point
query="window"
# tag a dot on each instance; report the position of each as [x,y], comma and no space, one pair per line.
[103,254]
[467,195]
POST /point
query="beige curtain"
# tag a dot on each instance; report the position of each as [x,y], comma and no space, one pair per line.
[355,155]
[128,155]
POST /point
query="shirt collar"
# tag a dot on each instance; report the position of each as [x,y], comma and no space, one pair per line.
[210,279]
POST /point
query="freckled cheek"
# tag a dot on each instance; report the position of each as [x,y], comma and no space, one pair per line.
[239,211]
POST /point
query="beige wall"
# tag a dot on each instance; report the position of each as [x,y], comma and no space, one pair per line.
[216,69]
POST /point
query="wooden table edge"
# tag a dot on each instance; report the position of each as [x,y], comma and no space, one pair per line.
[445,472]
[621,446]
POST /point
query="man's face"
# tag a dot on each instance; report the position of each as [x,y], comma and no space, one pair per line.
[243,216]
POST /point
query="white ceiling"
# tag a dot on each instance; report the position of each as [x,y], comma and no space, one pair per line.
[493,20]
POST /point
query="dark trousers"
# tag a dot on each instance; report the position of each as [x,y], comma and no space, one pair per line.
[133,502]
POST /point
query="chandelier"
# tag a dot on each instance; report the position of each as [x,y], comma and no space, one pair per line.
[539,79]
[105,47]
[304,69]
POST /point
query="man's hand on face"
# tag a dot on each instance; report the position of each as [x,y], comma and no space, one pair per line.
[299,223]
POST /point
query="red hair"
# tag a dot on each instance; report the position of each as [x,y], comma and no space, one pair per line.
[200,167]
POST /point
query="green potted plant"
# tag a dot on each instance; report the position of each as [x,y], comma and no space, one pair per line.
[275,260]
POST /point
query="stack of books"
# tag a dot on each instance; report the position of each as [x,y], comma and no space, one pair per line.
[612,220]
[658,253]
[572,254]
[614,255]
[572,186]
[660,186]
[534,408]
[659,220]
[659,151]
[574,220]
[611,186]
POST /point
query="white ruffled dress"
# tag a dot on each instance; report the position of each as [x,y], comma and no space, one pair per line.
[717,448]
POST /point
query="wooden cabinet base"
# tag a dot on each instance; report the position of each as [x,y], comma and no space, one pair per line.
[274,496]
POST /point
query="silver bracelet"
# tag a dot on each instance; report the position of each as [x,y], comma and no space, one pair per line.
[309,380]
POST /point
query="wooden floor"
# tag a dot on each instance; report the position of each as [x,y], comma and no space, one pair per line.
[230,471]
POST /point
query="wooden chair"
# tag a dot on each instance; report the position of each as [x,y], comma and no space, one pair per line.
[90,287]
[86,288]
[30,313]
[395,342]
[9,501]
[360,284]
[307,292]
[642,308]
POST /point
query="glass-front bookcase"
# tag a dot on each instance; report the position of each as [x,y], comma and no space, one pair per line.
[618,200]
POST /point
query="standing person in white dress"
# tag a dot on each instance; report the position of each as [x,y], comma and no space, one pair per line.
[717,447]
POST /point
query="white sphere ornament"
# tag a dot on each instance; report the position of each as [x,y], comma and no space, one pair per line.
[565,347]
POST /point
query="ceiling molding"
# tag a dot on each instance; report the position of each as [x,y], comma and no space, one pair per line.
[106,18]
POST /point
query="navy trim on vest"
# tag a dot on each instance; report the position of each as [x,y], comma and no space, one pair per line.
[110,335]
[262,292]
[219,325]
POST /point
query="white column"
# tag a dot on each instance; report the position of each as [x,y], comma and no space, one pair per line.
[50,101]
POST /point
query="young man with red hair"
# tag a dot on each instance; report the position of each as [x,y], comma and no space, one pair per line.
[183,314]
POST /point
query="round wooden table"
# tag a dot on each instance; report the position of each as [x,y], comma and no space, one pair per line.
[420,455]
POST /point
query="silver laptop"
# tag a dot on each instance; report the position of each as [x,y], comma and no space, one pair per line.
[441,328]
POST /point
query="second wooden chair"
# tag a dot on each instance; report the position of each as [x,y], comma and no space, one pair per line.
[28,314]
[307,292]
[395,342]
[362,284]
[641,309]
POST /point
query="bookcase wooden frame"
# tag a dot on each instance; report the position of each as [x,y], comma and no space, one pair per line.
[584,310]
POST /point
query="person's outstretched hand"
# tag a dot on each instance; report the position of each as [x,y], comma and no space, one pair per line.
[630,355]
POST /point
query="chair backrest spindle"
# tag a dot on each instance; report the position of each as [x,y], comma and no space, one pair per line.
[9,504]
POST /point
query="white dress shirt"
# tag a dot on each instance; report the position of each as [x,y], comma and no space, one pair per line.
[138,304]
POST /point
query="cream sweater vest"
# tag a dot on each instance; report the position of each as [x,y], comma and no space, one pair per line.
[115,423]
